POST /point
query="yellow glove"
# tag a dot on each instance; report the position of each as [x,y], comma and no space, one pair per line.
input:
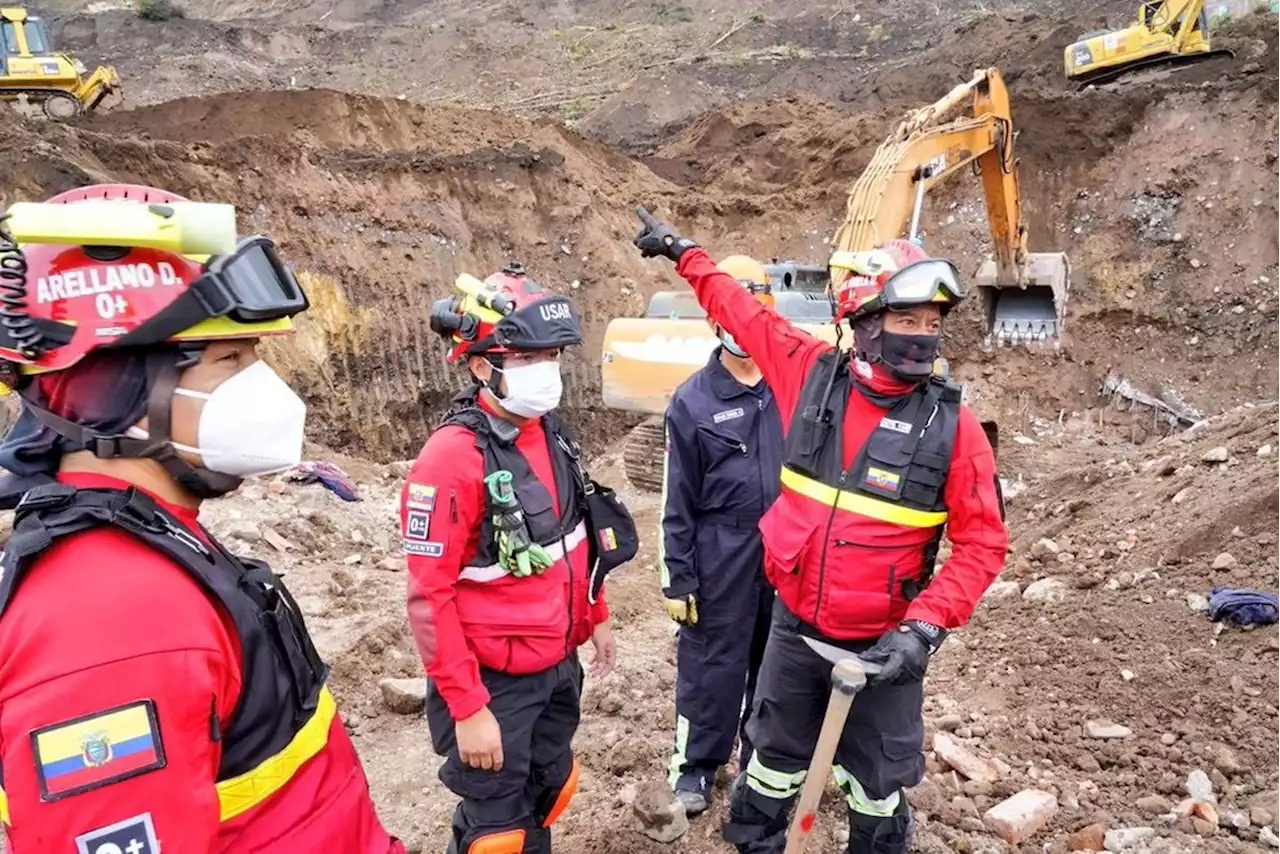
[683,611]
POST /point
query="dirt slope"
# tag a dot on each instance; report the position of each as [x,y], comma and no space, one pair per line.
[1162,192]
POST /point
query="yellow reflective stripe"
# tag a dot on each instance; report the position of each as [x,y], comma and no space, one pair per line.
[682,746]
[857,796]
[771,783]
[863,505]
[243,793]
[4,807]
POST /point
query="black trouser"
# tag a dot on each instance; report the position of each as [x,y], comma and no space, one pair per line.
[879,753]
[717,664]
[538,715]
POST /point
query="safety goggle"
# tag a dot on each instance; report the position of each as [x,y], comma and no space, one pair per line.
[249,285]
[933,280]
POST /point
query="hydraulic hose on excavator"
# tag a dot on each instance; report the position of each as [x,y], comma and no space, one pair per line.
[1024,294]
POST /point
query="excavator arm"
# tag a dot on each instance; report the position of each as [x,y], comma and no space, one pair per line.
[1024,294]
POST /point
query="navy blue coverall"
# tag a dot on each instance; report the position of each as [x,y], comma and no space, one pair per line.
[721,470]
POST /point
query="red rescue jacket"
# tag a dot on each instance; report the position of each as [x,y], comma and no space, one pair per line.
[120,686]
[465,611]
[837,559]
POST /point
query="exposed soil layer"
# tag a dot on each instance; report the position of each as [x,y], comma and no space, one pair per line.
[745,126]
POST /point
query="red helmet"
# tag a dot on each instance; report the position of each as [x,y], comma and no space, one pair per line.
[134,267]
[896,275]
[507,311]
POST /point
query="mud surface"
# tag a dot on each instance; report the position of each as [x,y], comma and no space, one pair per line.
[745,126]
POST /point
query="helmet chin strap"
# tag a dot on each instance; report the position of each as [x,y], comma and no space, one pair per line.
[164,371]
[200,482]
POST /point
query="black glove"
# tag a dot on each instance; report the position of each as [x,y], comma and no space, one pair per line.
[657,238]
[903,653]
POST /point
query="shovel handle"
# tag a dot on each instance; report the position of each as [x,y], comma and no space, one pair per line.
[847,678]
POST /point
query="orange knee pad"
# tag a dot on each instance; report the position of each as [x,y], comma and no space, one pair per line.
[566,794]
[503,842]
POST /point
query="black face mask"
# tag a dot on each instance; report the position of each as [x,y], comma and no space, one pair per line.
[909,357]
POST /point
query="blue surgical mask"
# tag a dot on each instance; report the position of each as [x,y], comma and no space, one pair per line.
[730,344]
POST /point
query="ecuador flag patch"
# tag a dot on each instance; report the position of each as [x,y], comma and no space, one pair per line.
[94,750]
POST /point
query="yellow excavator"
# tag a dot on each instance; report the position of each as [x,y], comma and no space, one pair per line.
[1167,32]
[1023,293]
[57,81]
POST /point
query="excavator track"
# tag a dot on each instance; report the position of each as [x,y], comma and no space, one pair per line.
[642,454]
[1171,61]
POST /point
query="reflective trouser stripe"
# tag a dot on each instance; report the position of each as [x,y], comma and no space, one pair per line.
[857,796]
[682,747]
[770,783]
[241,794]
[4,807]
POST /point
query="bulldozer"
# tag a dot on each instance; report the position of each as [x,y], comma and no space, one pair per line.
[1023,294]
[58,82]
[1167,32]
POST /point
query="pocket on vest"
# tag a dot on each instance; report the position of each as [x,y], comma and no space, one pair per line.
[787,536]
[535,606]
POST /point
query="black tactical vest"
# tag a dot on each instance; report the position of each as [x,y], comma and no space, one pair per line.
[281,674]
[905,460]
[496,440]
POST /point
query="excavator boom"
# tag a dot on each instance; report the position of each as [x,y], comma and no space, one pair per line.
[1024,294]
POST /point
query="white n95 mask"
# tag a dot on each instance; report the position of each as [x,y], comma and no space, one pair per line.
[250,425]
[532,390]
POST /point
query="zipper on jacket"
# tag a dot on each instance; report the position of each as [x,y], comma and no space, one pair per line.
[733,443]
[893,576]
[826,540]
[453,506]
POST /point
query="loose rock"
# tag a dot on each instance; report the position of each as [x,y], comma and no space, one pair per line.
[1003,590]
[1197,603]
[1225,761]
[1106,729]
[247,531]
[404,696]
[1260,816]
[1268,836]
[1199,787]
[1224,561]
[1127,837]
[948,723]
[1216,455]
[1153,805]
[662,818]
[1045,590]
[1090,838]
[955,754]
[1019,817]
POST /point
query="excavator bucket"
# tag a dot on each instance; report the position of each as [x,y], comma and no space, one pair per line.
[1031,312]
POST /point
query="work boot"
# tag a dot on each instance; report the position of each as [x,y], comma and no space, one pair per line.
[881,834]
[693,791]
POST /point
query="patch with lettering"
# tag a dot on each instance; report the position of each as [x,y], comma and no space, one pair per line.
[895,425]
[728,415]
[424,549]
[417,525]
[135,835]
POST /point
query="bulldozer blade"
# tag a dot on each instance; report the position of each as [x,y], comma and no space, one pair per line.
[1029,313]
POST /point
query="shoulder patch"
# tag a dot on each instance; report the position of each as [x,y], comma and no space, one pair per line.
[135,835]
[417,525]
[421,497]
[424,549]
[92,751]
